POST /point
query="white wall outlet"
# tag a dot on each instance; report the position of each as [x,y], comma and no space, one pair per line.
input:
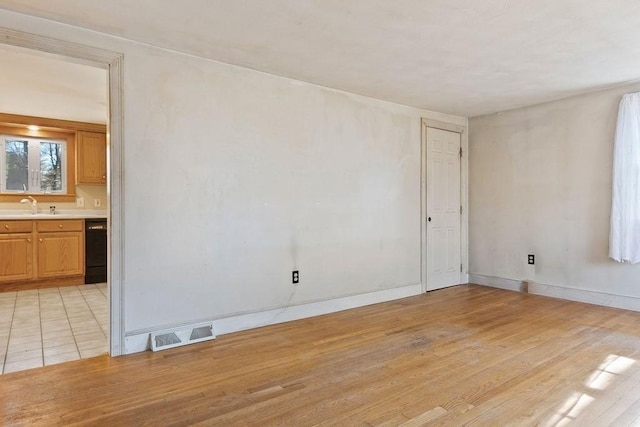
[97,203]
[80,202]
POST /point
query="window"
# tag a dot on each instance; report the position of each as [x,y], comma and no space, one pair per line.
[40,162]
[33,165]
[624,235]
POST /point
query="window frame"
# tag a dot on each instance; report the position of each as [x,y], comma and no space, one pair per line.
[48,133]
[34,159]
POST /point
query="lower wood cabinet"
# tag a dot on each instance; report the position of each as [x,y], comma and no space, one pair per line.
[41,249]
[60,248]
[16,257]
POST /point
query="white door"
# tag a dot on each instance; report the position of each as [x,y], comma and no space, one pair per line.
[443,208]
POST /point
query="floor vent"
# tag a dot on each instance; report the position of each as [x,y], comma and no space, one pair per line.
[162,340]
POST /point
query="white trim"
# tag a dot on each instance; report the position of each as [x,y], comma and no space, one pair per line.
[115,205]
[495,282]
[588,296]
[113,62]
[423,204]
[464,196]
[437,124]
[624,302]
[464,202]
[139,341]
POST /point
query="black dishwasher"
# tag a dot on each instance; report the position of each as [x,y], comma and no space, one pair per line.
[95,250]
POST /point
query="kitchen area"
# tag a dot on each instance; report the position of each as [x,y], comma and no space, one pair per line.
[53,214]
[54,234]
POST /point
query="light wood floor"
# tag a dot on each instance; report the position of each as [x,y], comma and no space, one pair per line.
[465,355]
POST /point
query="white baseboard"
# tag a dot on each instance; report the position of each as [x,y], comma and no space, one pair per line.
[581,295]
[495,282]
[137,342]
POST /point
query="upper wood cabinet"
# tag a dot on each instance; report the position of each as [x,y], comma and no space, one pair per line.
[91,155]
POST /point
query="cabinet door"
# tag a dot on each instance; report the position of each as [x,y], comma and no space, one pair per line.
[91,155]
[16,257]
[60,254]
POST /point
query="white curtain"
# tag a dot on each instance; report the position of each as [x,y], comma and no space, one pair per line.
[624,238]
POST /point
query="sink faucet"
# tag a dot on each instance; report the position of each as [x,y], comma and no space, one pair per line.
[33,202]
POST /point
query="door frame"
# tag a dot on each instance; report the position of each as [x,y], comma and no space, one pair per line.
[464,197]
[112,62]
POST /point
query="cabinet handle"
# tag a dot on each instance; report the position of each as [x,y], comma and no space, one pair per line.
[6,227]
[41,241]
[28,240]
[60,225]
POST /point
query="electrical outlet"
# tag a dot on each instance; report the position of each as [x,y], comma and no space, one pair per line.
[295,277]
[531,259]
[80,202]
[97,203]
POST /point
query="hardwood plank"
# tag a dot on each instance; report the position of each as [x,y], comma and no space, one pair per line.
[424,418]
[464,355]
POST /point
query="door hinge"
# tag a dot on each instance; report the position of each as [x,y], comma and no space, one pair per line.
[460,268]
[460,209]
[460,151]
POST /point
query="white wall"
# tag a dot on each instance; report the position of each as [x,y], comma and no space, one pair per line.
[540,182]
[234,178]
[240,178]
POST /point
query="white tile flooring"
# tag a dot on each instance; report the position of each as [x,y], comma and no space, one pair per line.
[46,326]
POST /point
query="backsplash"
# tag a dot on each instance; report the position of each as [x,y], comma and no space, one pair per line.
[88,192]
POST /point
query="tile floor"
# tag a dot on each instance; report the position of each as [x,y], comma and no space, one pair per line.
[46,326]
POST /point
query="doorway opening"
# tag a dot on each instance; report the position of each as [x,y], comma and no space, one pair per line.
[110,65]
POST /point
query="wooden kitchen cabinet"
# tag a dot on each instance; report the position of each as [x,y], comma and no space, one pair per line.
[60,248]
[40,253]
[16,251]
[91,158]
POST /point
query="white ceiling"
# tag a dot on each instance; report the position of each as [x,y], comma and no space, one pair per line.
[464,57]
[35,84]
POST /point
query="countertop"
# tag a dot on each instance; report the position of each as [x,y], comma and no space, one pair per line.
[26,215]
